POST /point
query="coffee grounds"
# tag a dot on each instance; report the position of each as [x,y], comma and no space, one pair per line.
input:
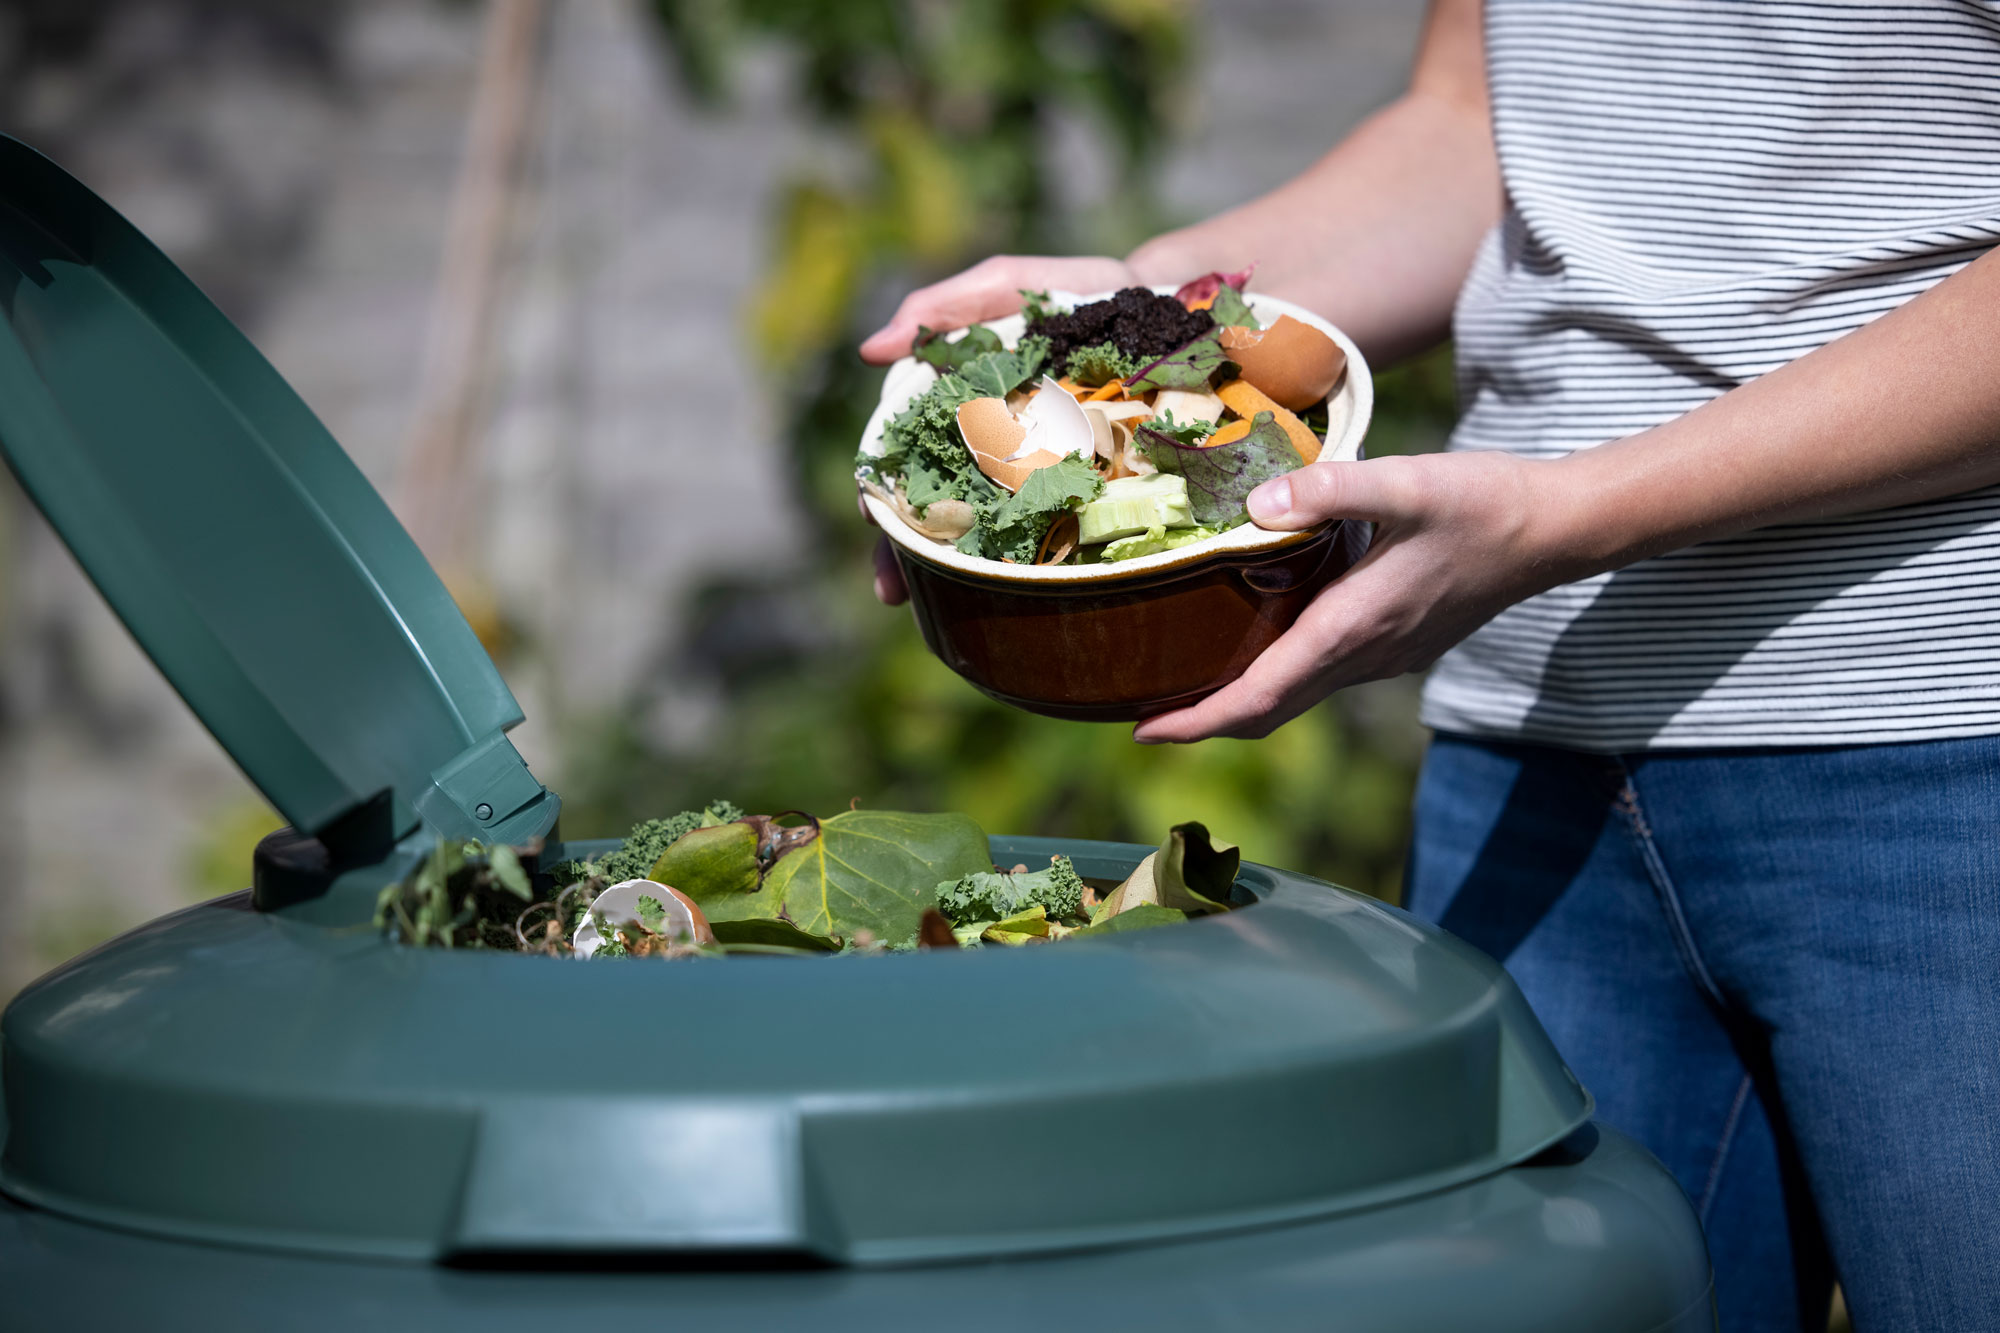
[1138,322]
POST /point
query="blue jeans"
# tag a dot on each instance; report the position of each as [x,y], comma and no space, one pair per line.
[1780,971]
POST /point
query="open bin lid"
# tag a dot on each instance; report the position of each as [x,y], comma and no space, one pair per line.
[240,545]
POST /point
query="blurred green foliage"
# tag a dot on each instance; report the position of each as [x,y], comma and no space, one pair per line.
[947,108]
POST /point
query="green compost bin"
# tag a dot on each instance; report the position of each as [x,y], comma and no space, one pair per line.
[1312,1113]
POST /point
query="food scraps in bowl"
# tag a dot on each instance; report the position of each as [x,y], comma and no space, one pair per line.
[718,881]
[1124,427]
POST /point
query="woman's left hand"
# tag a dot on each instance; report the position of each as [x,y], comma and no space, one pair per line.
[1458,538]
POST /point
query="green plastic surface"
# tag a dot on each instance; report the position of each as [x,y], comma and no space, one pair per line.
[244,550]
[1599,1240]
[291,1079]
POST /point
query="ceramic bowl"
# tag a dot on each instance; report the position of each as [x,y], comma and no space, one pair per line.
[1120,642]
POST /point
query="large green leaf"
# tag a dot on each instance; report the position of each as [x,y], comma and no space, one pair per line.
[875,870]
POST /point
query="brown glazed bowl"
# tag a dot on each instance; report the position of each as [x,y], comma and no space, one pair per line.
[1124,641]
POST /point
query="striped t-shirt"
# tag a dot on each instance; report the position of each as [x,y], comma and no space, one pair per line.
[1698,193]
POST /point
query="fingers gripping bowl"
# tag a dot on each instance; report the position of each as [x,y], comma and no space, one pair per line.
[1123,639]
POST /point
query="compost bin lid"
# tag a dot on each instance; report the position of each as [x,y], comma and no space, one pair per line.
[240,545]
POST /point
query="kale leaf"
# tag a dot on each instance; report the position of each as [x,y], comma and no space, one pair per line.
[1014,528]
[1099,364]
[989,896]
[649,838]
[1185,433]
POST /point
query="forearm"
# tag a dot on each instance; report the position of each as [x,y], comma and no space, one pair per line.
[1901,410]
[1379,234]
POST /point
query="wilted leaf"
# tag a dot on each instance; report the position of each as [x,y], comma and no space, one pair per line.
[875,870]
[1189,874]
[1032,924]
[934,932]
[718,868]
[1192,860]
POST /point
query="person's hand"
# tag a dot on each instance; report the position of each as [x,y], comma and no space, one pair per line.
[989,289]
[1458,538]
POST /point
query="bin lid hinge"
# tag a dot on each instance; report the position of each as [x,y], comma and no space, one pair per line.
[488,793]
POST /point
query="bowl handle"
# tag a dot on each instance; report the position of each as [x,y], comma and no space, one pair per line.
[1349,538]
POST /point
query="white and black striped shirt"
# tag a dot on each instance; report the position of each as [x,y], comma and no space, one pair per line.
[1698,193]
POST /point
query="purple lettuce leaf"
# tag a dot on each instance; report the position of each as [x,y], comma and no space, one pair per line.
[1190,367]
[1220,479]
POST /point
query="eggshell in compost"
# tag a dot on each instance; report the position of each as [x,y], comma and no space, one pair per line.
[1293,362]
[619,905]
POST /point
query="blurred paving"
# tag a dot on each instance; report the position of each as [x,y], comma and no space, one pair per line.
[300,163]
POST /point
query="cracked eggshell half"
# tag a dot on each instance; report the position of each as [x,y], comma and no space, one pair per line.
[619,905]
[1009,447]
[1292,362]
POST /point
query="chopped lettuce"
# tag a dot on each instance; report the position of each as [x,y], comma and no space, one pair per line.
[1099,364]
[1221,477]
[1154,540]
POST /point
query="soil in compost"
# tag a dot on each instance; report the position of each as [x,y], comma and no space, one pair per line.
[1139,322]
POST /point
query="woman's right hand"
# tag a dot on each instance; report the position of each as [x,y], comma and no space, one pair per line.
[989,289]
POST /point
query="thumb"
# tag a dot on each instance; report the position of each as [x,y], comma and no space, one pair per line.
[1373,490]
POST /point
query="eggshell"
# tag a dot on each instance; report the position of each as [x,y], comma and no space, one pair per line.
[619,905]
[1293,362]
[1054,422]
[1188,405]
[1011,472]
[1007,448]
[1105,418]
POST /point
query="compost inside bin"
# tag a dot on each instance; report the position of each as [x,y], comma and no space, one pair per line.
[718,881]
